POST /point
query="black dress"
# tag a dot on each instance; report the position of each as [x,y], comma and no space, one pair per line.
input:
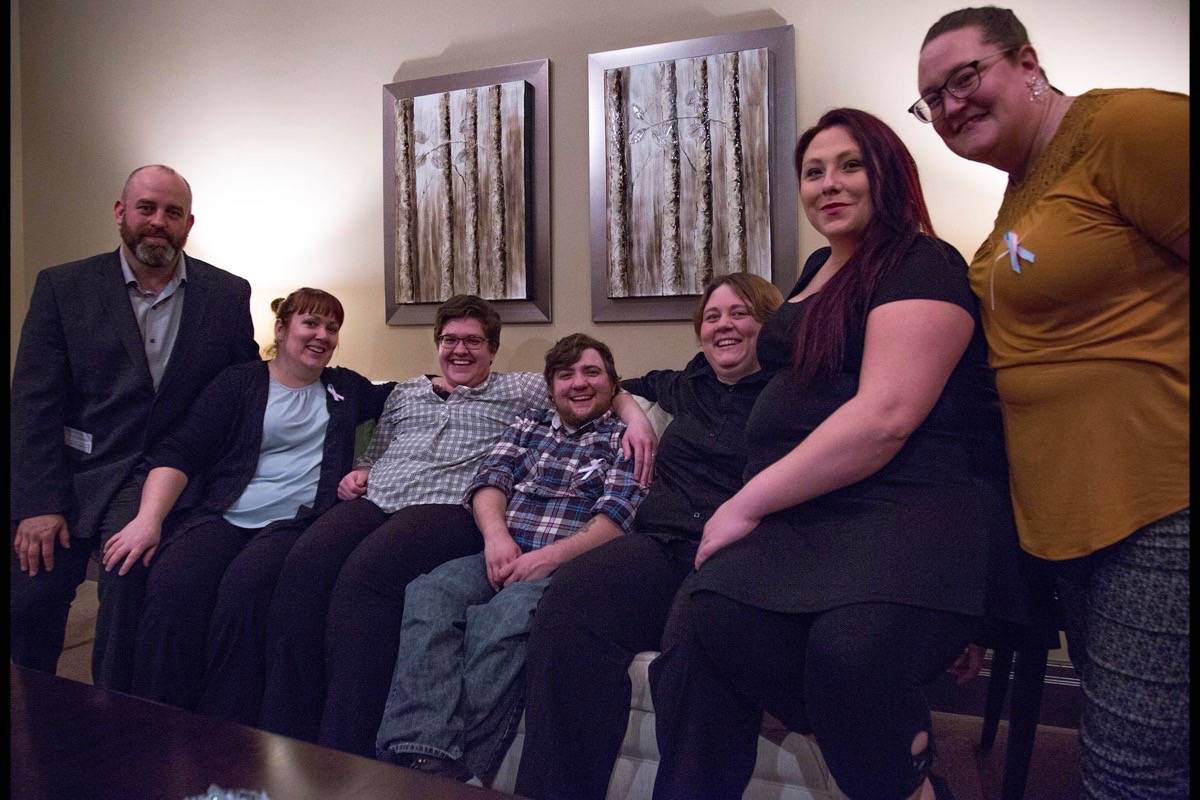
[932,528]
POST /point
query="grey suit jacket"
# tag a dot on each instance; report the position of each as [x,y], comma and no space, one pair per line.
[81,364]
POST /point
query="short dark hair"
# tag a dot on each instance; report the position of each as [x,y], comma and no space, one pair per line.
[760,295]
[305,301]
[567,350]
[998,26]
[469,306]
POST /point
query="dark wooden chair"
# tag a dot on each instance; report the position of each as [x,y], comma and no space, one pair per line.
[1020,659]
[1027,677]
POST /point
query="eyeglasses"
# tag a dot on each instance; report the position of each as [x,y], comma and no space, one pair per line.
[470,342]
[962,83]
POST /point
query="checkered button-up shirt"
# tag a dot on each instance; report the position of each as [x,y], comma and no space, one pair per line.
[556,480]
[426,449]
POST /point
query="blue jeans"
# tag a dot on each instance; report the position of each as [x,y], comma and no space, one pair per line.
[455,691]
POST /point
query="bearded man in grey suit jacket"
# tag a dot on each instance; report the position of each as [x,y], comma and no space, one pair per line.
[112,351]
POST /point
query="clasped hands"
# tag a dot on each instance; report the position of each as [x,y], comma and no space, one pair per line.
[506,564]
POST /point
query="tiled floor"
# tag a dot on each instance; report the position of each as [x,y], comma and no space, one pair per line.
[1053,773]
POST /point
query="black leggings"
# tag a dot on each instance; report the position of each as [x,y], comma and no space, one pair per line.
[600,610]
[200,642]
[850,675]
[334,624]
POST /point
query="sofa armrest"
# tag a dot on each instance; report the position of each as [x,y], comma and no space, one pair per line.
[658,417]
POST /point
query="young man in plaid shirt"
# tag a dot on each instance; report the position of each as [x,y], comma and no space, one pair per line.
[555,486]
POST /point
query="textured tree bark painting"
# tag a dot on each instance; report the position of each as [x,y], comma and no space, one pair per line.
[406,214]
[617,182]
[688,176]
[461,179]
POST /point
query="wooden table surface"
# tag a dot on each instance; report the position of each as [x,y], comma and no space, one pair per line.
[72,741]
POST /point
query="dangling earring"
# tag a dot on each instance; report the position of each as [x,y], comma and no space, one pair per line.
[1037,87]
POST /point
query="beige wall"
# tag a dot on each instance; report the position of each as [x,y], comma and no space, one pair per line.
[272,111]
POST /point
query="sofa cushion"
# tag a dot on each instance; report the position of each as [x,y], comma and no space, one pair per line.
[789,765]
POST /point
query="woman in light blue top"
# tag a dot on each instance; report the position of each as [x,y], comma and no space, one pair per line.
[258,457]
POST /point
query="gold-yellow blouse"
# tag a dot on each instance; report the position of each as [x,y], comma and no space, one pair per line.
[1086,314]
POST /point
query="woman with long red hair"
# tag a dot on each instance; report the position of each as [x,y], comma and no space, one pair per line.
[860,556]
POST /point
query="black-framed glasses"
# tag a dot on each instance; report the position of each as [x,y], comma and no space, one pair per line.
[962,83]
[470,342]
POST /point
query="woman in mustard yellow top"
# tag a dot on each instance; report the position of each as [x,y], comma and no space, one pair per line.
[1083,286]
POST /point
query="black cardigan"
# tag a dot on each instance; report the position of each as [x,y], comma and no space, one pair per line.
[219,440]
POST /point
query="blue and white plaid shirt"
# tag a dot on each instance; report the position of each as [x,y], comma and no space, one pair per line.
[556,480]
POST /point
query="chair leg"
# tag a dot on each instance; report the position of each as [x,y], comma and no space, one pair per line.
[1002,658]
[1023,719]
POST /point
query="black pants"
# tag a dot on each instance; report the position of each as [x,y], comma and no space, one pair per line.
[600,610]
[851,675]
[200,639]
[353,630]
[40,605]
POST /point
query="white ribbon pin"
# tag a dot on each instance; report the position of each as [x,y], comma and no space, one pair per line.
[333,393]
[1014,251]
[596,465]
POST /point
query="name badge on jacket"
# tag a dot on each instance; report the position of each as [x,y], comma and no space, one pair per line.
[77,439]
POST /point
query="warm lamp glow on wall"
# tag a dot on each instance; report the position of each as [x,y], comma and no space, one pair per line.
[278,224]
[283,219]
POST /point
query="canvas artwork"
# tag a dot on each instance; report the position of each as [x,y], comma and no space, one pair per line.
[687,172]
[461,177]
[690,175]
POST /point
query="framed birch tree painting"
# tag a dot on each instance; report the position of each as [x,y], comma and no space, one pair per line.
[690,148]
[466,188]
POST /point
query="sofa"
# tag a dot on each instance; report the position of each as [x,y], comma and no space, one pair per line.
[789,765]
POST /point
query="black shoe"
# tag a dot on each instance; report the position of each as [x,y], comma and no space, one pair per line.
[445,767]
[941,791]
[396,759]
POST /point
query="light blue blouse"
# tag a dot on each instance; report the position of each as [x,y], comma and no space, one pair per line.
[289,459]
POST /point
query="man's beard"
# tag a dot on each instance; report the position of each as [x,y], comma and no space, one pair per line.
[152,255]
